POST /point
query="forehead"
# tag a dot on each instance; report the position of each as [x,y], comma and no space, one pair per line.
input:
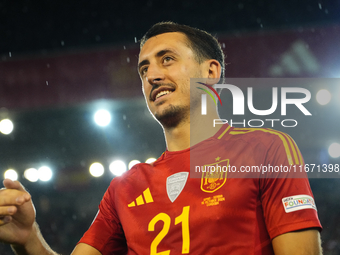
[174,40]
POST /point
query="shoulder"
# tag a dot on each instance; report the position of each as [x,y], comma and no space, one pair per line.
[127,183]
[135,173]
[266,140]
[256,135]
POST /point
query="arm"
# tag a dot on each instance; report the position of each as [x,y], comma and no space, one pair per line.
[18,227]
[293,229]
[304,242]
[83,248]
[17,221]
[17,213]
[37,245]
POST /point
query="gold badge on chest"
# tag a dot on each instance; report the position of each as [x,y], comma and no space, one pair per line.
[214,175]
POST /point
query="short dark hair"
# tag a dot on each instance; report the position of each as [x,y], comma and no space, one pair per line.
[204,45]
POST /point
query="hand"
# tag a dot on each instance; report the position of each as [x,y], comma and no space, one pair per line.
[17,213]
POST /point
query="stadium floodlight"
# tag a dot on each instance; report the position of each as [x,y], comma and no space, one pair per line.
[323,96]
[117,167]
[6,126]
[334,150]
[133,162]
[45,173]
[102,117]
[11,174]
[31,174]
[150,160]
[96,169]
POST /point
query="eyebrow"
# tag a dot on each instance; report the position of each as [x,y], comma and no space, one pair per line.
[158,54]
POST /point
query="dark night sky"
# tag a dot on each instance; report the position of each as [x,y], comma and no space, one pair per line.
[40,27]
[44,26]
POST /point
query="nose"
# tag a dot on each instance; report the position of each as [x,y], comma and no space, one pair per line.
[155,74]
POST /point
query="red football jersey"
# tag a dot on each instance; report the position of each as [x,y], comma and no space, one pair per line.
[161,208]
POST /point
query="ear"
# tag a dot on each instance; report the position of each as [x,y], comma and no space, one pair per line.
[214,69]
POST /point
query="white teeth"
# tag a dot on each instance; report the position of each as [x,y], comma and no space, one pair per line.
[164,92]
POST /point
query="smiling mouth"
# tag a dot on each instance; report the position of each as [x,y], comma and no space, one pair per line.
[162,93]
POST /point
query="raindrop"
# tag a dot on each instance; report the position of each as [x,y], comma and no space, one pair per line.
[261,25]
[47,83]
[135,39]
[320,6]
[128,59]
[223,45]
[62,43]
[124,47]
[48,65]
[10,54]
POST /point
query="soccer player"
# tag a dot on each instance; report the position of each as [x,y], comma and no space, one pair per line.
[158,208]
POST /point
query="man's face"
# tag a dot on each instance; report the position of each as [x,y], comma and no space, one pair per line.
[166,64]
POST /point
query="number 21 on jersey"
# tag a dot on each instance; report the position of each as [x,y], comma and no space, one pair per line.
[183,218]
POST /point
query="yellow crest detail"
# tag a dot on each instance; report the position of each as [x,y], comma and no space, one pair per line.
[214,175]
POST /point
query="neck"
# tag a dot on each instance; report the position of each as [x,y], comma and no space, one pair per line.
[191,131]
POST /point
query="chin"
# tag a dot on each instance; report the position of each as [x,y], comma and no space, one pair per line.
[172,116]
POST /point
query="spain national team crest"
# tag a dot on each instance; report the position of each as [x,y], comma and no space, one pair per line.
[214,175]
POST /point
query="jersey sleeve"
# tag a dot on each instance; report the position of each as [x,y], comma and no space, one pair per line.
[106,233]
[287,200]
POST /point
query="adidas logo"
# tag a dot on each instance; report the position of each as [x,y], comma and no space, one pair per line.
[146,196]
[298,59]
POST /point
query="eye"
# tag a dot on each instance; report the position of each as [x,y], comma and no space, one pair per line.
[143,70]
[167,59]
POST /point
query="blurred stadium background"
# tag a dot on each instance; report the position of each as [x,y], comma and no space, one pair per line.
[62,61]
